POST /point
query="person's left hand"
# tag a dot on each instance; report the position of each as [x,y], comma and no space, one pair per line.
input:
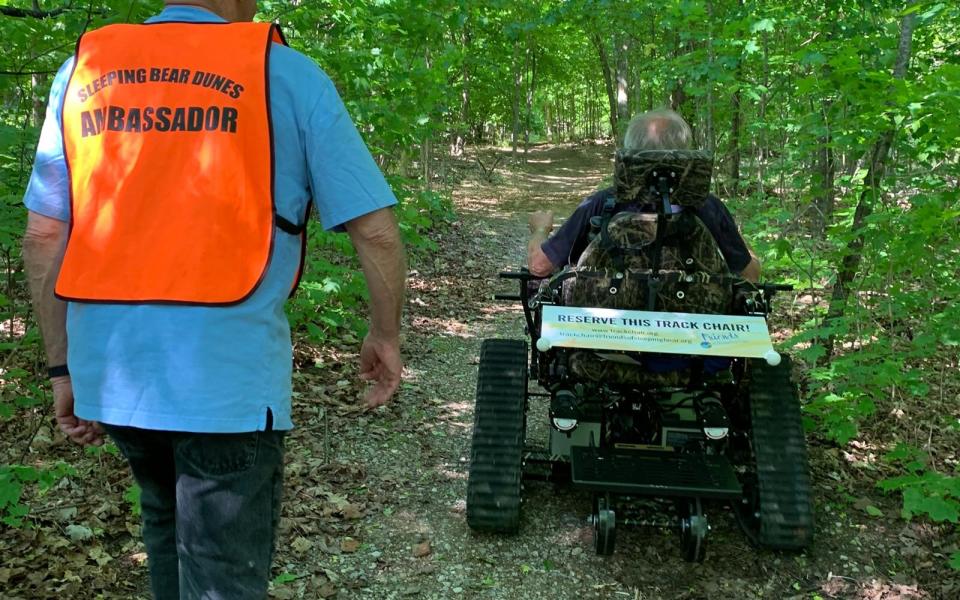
[380,362]
[80,431]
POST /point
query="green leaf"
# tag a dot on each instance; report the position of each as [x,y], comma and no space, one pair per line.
[762,25]
[813,58]
[939,509]
[284,578]
[132,496]
[78,533]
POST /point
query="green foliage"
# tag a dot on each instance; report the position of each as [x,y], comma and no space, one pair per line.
[18,387]
[925,492]
[14,479]
[419,212]
[331,290]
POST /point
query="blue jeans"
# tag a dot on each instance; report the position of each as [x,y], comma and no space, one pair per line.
[210,504]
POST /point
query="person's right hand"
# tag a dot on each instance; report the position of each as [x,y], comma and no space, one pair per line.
[541,220]
[380,362]
[80,431]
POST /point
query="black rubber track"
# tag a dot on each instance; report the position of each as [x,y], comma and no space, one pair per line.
[493,487]
[782,471]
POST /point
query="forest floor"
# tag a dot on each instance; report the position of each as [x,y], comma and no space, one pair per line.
[375,501]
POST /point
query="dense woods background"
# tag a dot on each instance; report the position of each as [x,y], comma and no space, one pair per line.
[835,131]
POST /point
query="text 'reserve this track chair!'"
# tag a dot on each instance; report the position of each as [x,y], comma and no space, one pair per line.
[661,379]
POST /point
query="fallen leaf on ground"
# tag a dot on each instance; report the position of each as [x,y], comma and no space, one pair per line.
[301,545]
[422,549]
[351,511]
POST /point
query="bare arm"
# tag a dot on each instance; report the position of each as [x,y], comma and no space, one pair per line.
[377,240]
[44,242]
[751,272]
[540,224]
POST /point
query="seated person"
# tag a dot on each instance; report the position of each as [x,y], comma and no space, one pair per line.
[655,130]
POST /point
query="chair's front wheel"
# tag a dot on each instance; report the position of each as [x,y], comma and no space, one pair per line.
[693,530]
[604,526]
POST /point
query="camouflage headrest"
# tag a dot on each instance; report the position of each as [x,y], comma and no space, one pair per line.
[632,169]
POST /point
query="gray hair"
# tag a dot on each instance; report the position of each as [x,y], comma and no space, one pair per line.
[661,129]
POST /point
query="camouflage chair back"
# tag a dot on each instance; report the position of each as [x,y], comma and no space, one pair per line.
[615,269]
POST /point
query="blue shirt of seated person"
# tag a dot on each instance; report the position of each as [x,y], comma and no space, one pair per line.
[568,243]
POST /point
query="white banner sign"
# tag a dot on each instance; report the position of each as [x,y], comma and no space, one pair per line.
[643,331]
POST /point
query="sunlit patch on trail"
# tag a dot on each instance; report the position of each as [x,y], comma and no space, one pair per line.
[449,474]
[459,507]
[412,375]
[447,327]
[457,410]
[498,309]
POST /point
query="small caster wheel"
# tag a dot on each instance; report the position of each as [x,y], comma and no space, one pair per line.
[604,526]
[693,530]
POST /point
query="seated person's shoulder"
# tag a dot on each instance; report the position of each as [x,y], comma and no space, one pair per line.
[713,208]
[596,199]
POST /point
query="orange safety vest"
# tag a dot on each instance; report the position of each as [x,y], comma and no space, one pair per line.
[169,147]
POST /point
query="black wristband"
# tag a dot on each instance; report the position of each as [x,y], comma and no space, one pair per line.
[57,371]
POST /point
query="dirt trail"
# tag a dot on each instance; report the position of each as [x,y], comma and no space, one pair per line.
[410,462]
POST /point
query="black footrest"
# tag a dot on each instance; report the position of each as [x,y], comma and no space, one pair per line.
[652,473]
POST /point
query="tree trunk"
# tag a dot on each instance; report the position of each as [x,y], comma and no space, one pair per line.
[623,108]
[678,94]
[459,140]
[546,121]
[425,160]
[708,129]
[636,78]
[761,138]
[607,81]
[871,188]
[531,89]
[826,167]
[652,58]
[517,80]
[735,123]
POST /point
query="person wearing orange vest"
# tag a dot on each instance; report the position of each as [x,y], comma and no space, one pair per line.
[168,206]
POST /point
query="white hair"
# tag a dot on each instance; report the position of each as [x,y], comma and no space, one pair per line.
[661,129]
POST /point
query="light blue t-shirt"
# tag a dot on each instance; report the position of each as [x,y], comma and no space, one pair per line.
[215,369]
